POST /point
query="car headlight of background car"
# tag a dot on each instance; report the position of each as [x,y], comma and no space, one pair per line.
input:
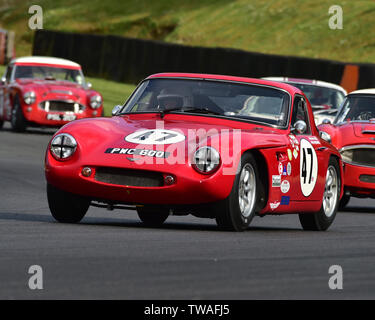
[347,155]
[206,160]
[95,101]
[63,146]
[29,97]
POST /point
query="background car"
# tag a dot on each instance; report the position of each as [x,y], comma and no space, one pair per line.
[322,95]
[214,146]
[46,91]
[353,133]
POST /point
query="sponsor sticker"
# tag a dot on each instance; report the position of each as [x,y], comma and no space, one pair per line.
[289,168]
[314,140]
[276,181]
[285,186]
[295,153]
[274,205]
[284,171]
[280,168]
[285,200]
[290,155]
[139,152]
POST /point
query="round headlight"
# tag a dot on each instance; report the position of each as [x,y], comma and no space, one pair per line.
[29,97]
[347,155]
[63,146]
[95,102]
[206,159]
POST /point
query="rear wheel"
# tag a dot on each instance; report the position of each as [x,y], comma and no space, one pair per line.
[238,209]
[153,216]
[321,220]
[1,124]
[66,207]
[18,120]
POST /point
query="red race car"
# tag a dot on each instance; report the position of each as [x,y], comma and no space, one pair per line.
[45,91]
[213,146]
[353,134]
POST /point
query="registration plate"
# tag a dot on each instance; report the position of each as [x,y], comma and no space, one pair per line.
[61,117]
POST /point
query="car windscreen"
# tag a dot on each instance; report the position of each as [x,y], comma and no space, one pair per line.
[357,108]
[321,96]
[49,73]
[242,101]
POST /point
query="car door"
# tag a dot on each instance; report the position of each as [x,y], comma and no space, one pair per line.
[307,154]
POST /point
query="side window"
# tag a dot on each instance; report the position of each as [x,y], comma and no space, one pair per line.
[300,112]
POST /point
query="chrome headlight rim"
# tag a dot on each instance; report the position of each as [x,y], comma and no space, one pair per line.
[63,146]
[96,101]
[29,97]
[206,160]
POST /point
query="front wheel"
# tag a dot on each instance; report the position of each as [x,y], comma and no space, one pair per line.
[153,216]
[18,120]
[321,220]
[66,207]
[238,209]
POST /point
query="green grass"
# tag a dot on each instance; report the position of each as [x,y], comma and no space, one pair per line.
[113,92]
[285,27]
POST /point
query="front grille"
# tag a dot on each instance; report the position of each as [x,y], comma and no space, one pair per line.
[61,106]
[367,178]
[125,177]
[365,157]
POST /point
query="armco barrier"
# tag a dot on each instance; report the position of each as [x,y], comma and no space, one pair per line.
[130,60]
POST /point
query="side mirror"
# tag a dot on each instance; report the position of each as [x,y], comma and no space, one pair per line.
[300,126]
[326,121]
[88,85]
[116,109]
[3,80]
[325,136]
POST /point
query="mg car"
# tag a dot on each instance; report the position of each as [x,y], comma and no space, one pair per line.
[218,147]
[353,133]
[45,91]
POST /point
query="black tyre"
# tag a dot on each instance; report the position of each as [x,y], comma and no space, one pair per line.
[66,207]
[153,216]
[238,209]
[321,220]
[18,120]
[1,124]
[344,201]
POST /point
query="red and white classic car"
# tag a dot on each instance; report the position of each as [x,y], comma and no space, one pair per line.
[46,91]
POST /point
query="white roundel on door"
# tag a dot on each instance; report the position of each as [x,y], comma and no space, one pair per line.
[308,167]
[155,136]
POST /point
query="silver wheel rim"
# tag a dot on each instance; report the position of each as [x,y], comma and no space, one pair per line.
[247,190]
[330,192]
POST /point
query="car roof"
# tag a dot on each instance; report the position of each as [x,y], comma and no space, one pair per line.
[284,86]
[308,81]
[363,91]
[45,60]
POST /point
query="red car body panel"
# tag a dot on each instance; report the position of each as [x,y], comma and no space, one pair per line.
[94,136]
[47,90]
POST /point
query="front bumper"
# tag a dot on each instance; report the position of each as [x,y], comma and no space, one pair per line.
[36,115]
[189,187]
[358,180]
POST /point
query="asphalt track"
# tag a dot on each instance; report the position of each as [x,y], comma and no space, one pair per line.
[110,255]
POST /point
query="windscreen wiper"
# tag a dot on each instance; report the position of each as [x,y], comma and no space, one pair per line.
[189,109]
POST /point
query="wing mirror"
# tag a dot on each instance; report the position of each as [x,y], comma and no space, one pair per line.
[300,126]
[326,121]
[88,85]
[116,109]
[3,80]
[325,136]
